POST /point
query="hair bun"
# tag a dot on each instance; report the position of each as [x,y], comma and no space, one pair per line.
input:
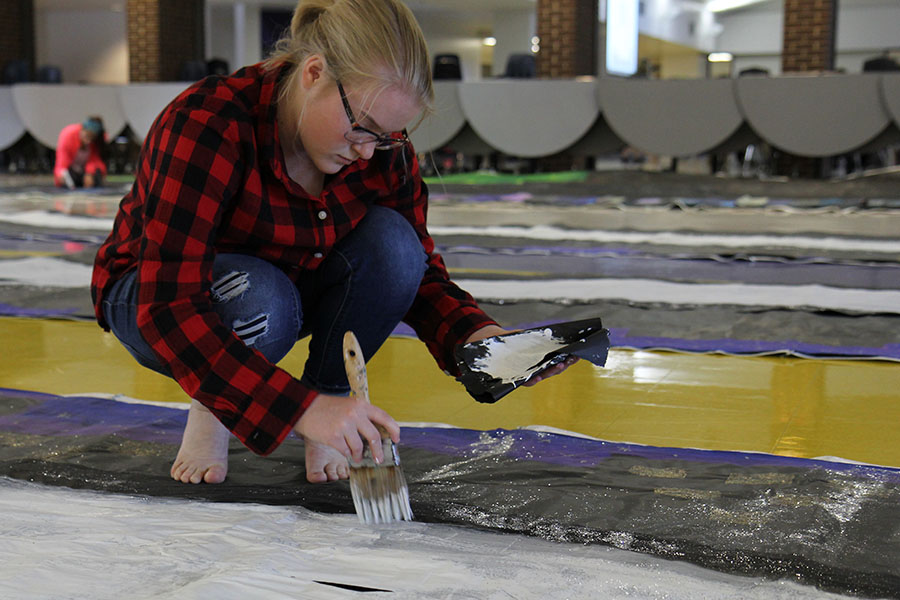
[377,42]
[307,13]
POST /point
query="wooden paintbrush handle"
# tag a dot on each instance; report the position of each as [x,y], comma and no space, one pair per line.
[355,365]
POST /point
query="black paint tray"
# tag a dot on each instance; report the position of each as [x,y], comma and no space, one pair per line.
[495,366]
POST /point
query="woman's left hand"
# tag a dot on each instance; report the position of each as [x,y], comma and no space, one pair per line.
[492,330]
[551,371]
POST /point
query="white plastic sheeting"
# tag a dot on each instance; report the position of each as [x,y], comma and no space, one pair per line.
[40,271]
[748,242]
[61,543]
[57,272]
[55,220]
[813,296]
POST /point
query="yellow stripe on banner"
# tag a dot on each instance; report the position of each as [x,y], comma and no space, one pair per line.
[27,253]
[789,406]
[503,272]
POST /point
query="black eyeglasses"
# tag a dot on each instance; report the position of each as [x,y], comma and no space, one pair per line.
[360,135]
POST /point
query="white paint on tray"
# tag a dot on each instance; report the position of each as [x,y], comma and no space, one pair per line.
[518,356]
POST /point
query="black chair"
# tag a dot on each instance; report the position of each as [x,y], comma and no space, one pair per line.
[753,72]
[520,66]
[880,64]
[446,66]
[16,71]
[217,66]
[192,70]
[49,74]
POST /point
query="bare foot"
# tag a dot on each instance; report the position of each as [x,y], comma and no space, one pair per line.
[203,455]
[324,463]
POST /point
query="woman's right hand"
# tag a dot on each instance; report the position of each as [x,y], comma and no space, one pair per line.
[343,422]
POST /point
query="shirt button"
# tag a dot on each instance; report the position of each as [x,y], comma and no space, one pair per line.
[318,255]
[323,215]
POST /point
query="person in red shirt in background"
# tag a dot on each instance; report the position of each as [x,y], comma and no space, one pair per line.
[280,202]
[80,155]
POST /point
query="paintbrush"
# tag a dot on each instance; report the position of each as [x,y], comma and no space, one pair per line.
[379,491]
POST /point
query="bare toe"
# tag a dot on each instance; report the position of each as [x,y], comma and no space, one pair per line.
[316,477]
[203,455]
[324,463]
[215,474]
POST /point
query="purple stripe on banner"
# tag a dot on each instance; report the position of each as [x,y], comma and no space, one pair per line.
[51,236]
[86,415]
[619,337]
[558,250]
[8,310]
[571,451]
[52,415]
[404,330]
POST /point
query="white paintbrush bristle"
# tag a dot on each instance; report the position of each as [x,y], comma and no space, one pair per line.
[380,493]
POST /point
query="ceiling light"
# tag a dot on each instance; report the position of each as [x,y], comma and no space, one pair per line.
[723,5]
[489,41]
[720,57]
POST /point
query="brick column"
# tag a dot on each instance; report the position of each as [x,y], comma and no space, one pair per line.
[17,32]
[809,35]
[808,45]
[162,35]
[568,32]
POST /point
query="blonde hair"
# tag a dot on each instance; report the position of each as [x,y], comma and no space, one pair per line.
[362,41]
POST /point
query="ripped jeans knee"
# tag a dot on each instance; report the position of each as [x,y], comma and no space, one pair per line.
[232,286]
[251,296]
[258,302]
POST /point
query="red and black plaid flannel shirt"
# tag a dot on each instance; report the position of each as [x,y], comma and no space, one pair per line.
[212,179]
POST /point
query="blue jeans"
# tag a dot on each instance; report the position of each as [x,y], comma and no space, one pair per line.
[366,284]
